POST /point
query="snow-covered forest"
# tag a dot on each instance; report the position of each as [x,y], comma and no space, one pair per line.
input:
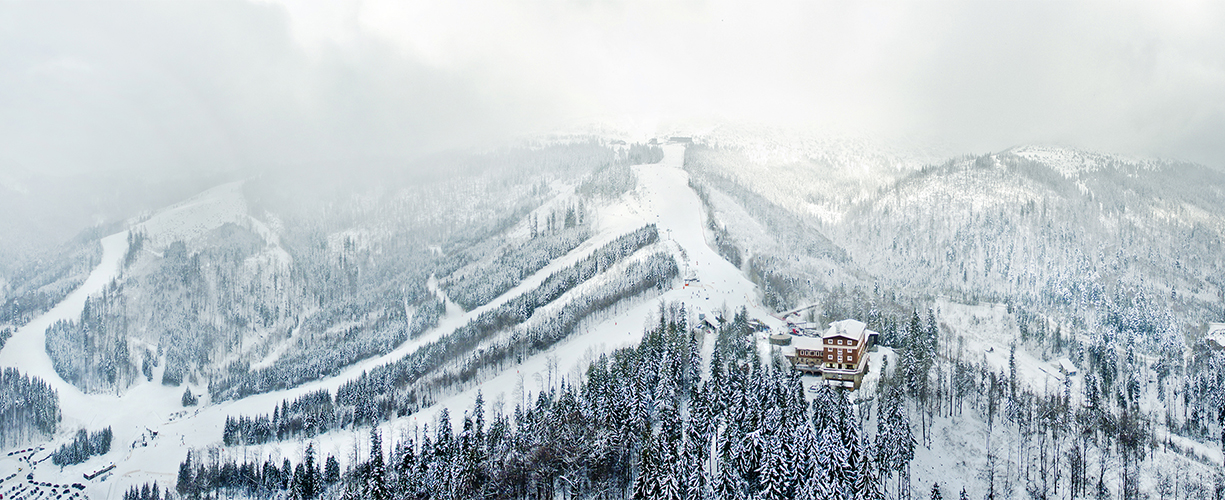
[1039,356]
[297,293]
[29,408]
[576,250]
[647,422]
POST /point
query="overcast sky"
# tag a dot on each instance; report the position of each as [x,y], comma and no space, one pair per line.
[168,85]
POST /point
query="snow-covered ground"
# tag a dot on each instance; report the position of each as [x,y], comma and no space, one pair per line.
[663,197]
[196,215]
[989,331]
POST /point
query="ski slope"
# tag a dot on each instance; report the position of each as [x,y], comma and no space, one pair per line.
[26,350]
[663,197]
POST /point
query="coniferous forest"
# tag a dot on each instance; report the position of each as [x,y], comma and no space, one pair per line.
[28,408]
[645,422]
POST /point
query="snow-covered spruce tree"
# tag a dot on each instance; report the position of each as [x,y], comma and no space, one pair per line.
[894,440]
[185,483]
[306,478]
[28,407]
[772,474]
[331,471]
[647,481]
[375,482]
[188,398]
[580,440]
[866,484]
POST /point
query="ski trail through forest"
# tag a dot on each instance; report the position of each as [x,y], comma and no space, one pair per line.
[27,351]
[663,197]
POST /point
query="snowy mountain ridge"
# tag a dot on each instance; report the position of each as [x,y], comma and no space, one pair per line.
[1072,163]
[1045,291]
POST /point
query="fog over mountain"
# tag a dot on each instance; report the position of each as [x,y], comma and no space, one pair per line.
[696,249]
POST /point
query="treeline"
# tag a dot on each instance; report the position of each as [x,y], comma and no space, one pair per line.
[724,243]
[83,446]
[201,477]
[309,415]
[642,424]
[311,364]
[36,286]
[93,353]
[610,181]
[641,154]
[654,272]
[5,334]
[428,312]
[372,395]
[388,390]
[476,285]
[29,408]
[320,359]
[317,412]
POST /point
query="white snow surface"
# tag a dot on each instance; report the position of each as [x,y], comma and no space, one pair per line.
[663,197]
[1070,163]
[197,215]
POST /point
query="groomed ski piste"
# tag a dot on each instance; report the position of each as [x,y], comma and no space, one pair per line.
[153,431]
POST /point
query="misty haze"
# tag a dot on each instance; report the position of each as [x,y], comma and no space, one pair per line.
[824,250]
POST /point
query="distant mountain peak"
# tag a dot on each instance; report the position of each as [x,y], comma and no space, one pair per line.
[1072,163]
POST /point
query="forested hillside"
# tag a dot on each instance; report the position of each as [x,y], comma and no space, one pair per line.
[285,291]
[1041,317]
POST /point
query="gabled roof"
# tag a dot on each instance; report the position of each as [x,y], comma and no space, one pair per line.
[847,328]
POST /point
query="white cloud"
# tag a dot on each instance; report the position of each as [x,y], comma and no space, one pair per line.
[289,81]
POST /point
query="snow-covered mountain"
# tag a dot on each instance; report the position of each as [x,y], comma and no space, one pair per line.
[299,322]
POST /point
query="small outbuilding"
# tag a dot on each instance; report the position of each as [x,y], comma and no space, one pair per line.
[1066,367]
[780,339]
[1216,336]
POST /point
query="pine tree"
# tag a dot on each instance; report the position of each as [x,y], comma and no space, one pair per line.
[936,495]
[306,478]
[866,483]
[286,474]
[331,471]
[697,480]
[771,475]
[646,485]
[728,484]
[671,486]
[810,489]
[376,487]
[185,479]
